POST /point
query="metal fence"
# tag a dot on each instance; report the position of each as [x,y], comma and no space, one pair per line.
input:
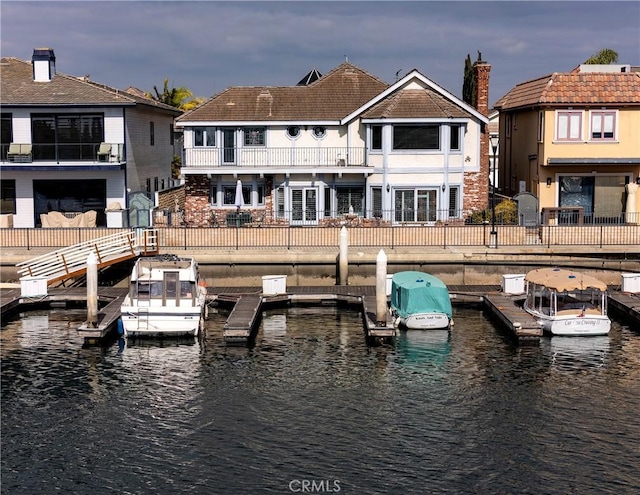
[250,236]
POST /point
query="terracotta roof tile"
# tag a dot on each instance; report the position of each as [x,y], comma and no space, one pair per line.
[566,89]
[19,88]
[331,97]
[415,103]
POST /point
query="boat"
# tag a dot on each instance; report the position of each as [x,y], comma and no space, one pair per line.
[565,302]
[420,301]
[167,297]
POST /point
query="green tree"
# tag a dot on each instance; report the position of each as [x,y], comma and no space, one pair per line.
[180,97]
[468,85]
[605,56]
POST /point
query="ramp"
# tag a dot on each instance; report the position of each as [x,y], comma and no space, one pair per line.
[71,262]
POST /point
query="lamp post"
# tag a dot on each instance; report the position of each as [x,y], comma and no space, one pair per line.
[493,236]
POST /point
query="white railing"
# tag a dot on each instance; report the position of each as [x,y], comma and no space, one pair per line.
[274,157]
[71,261]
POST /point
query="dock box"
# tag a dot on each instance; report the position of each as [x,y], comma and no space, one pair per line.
[33,286]
[513,283]
[630,282]
[274,284]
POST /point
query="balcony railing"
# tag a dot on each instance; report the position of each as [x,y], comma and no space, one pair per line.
[253,157]
[66,152]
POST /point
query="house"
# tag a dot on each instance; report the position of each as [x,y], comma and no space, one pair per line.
[571,140]
[344,147]
[71,145]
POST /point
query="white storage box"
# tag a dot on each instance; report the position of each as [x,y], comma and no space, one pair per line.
[630,282]
[274,284]
[513,283]
[33,286]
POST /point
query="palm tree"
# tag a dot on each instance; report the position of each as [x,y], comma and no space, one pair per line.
[180,97]
[605,56]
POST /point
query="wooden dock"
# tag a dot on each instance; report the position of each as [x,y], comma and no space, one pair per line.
[244,318]
[512,316]
[625,303]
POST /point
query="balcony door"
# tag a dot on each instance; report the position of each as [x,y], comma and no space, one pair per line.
[229,146]
[304,205]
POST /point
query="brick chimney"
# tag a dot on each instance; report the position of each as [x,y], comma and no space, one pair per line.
[477,184]
[44,64]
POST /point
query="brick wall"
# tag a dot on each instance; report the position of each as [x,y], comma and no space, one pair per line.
[476,184]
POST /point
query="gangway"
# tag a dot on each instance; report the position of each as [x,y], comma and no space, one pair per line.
[71,261]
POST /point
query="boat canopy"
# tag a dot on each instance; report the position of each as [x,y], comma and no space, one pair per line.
[418,292]
[561,280]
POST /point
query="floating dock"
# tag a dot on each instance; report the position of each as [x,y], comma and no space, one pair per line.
[248,303]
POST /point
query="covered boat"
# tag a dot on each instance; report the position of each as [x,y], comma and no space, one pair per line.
[167,297]
[420,301]
[565,302]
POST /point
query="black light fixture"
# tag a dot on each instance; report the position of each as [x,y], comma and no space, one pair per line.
[444,186]
[548,181]
[493,237]
[388,188]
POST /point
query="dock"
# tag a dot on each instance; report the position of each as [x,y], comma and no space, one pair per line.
[248,303]
[512,316]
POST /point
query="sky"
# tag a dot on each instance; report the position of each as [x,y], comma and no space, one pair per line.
[208,46]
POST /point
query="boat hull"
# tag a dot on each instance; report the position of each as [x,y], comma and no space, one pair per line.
[425,321]
[574,325]
[161,321]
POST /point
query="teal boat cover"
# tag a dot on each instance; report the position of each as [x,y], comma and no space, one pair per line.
[418,292]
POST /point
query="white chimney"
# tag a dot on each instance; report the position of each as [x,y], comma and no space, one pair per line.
[44,64]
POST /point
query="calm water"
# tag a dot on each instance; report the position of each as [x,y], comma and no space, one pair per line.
[311,409]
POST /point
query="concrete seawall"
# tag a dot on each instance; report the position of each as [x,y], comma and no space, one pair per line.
[459,266]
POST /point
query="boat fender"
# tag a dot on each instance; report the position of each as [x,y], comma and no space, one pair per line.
[120,327]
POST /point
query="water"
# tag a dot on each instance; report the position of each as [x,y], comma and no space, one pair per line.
[311,409]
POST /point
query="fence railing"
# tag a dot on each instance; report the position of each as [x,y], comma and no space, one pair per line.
[291,237]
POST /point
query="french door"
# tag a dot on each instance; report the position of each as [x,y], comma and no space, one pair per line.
[304,205]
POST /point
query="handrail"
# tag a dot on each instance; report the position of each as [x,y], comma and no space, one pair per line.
[71,261]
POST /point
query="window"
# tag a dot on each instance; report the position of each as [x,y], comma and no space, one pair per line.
[6,133]
[7,196]
[415,205]
[152,134]
[376,202]
[453,202]
[155,184]
[603,125]
[454,141]
[349,199]
[319,132]
[229,195]
[148,185]
[204,136]
[293,131]
[569,126]
[376,137]
[66,136]
[540,126]
[254,136]
[171,135]
[416,137]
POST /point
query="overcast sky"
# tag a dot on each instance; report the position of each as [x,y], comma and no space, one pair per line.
[208,46]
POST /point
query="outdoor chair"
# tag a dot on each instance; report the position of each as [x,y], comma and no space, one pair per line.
[19,152]
[104,152]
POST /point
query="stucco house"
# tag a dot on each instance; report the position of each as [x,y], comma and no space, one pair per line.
[572,140]
[337,148]
[71,145]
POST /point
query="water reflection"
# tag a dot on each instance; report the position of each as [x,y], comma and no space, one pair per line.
[579,352]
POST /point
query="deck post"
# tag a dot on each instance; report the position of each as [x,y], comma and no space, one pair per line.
[381,287]
[92,290]
[343,262]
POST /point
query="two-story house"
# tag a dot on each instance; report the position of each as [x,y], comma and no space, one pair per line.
[345,145]
[572,140]
[71,145]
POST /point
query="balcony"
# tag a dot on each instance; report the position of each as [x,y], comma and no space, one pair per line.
[61,154]
[315,157]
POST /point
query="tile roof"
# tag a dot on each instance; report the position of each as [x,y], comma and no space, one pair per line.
[19,88]
[415,103]
[566,89]
[331,97]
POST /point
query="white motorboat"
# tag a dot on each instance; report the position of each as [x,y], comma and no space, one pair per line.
[420,301]
[167,297]
[565,302]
